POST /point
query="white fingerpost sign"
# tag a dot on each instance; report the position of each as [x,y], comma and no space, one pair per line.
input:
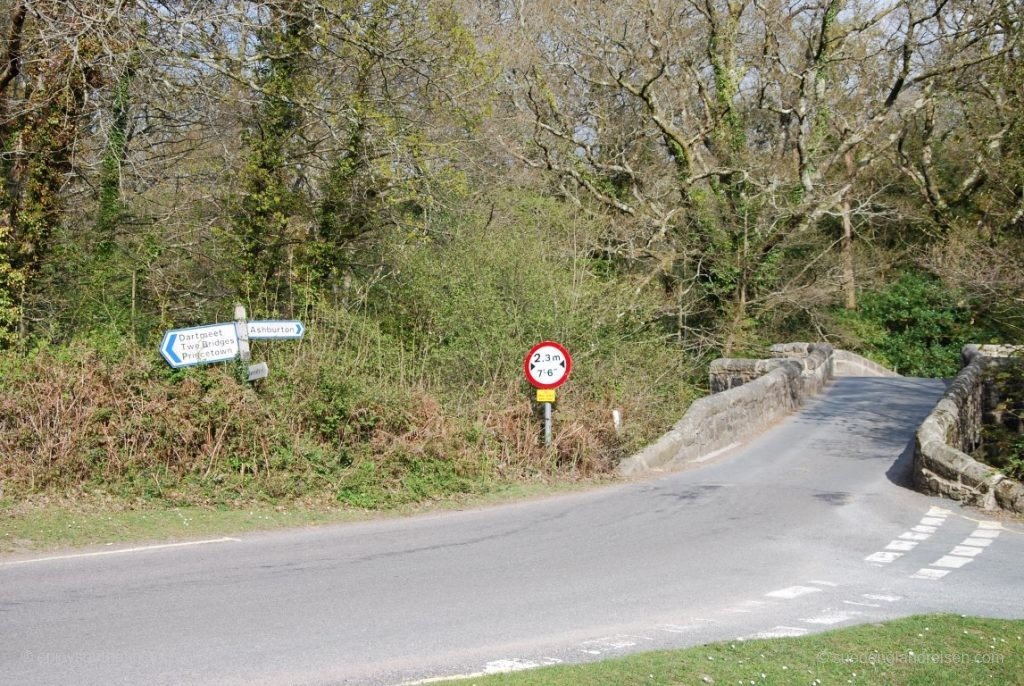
[275,328]
[224,342]
[200,345]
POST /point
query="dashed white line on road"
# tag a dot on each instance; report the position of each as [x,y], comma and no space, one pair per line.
[860,604]
[823,583]
[966,551]
[680,628]
[952,561]
[901,545]
[985,533]
[880,596]
[776,632]
[792,592]
[980,542]
[912,536]
[882,557]
[832,617]
[920,528]
[930,574]
[747,606]
[617,642]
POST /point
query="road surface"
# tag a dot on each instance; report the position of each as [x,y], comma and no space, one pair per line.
[807,528]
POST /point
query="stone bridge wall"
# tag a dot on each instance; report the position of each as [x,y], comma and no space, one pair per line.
[748,397]
[942,465]
[851,364]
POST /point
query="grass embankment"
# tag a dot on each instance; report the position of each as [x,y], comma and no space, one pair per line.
[410,394]
[933,650]
[49,524]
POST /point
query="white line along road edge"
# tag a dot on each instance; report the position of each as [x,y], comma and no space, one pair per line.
[121,551]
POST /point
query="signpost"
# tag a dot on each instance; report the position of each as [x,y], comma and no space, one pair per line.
[223,342]
[273,328]
[199,345]
[547,367]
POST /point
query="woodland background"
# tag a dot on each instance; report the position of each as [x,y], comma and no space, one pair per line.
[434,186]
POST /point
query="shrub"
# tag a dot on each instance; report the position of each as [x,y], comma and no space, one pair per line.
[916,325]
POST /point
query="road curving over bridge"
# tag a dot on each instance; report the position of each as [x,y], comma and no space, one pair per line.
[808,527]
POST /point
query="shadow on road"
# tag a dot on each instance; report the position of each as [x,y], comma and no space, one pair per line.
[901,473]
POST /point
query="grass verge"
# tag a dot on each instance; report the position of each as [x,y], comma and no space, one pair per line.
[929,650]
[45,524]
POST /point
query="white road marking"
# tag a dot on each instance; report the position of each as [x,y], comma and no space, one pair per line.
[933,521]
[679,628]
[824,583]
[925,529]
[989,524]
[882,558]
[854,602]
[879,596]
[714,453]
[985,533]
[776,632]
[121,551]
[792,592]
[951,561]
[966,551]
[911,536]
[981,542]
[926,573]
[832,617]
[503,666]
[495,667]
[617,642]
[939,512]
[747,606]
[901,545]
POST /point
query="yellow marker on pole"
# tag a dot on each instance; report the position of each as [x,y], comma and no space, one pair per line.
[545,395]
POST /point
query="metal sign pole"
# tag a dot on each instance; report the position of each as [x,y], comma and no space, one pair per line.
[547,424]
[242,331]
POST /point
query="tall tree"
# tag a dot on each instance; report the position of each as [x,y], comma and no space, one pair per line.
[719,130]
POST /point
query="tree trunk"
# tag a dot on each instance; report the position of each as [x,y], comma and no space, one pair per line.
[849,280]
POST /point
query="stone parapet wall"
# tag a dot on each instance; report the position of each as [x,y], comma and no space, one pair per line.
[852,364]
[769,390]
[817,361]
[942,465]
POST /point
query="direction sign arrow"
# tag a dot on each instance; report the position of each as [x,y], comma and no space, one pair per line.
[276,328]
[199,345]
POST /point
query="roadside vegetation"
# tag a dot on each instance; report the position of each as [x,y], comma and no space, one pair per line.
[929,650]
[434,187]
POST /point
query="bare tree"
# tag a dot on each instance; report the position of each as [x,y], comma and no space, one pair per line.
[720,130]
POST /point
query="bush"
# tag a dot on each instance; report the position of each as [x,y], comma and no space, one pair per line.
[915,325]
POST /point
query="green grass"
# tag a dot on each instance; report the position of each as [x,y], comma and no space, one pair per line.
[931,650]
[44,524]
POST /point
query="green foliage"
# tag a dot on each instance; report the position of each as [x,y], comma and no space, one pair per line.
[915,324]
[1002,444]
[111,209]
[263,214]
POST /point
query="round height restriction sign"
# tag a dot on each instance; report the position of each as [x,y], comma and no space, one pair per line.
[547,365]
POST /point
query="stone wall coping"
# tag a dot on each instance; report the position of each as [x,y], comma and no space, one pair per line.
[777,387]
[941,463]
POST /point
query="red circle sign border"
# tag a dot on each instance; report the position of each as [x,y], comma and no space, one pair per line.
[568,365]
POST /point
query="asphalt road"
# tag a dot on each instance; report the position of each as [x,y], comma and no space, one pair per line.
[807,528]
